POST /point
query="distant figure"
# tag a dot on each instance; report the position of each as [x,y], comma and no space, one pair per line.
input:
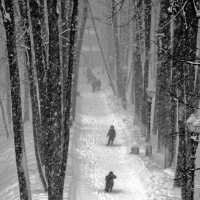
[90,75]
[110,181]
[111,135]
[98,84]
[94,84]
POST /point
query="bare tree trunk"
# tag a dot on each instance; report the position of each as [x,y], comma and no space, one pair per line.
[133,59]
[184,49]
[36,15]
[26,97]
[66,10]
[120,89]
[8,102]
[68,86]
[32,85]
[138,79]
[78,53]
[110,41]
[44,31]
[165,107]
[21,161]
[145,110]
[55,183]
[4,118]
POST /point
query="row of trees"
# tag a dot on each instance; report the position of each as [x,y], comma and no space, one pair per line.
[51,36]
[158,41]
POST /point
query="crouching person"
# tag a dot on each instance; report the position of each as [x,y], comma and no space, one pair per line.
[110,181]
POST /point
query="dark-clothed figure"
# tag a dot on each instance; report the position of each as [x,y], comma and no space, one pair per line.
[111,135]
[110,181]
[90,75]
[94,84]
[98,84]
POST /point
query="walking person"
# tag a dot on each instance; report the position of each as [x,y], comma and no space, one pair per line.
[110,181]
[94,84]
[111,135]
[99,84]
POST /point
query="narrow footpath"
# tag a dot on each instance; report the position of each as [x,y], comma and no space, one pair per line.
[93,159]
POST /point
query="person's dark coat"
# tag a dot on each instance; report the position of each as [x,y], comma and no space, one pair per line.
[94,84]
[90,75]
[99,84]
[111,133]
[110,181]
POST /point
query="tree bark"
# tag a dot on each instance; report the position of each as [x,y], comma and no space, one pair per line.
[138,79]
[8,101]
[54,99]
[26,97]
[120,88]
[144,110]
[110,41]
[36,14]
[20,152]
[4,118]
[184,49]
[33,88]
[79,42]
[44,31]
[165,106]
[68,86]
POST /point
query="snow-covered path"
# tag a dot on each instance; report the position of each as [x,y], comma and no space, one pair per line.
[96,158]
[95,118]
[135,180]
[90,159]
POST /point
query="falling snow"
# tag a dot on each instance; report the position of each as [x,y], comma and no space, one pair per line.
[90,159]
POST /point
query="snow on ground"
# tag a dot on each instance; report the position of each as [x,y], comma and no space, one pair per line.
[90,159]
[137,177]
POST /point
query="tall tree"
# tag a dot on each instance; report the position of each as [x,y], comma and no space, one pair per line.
[79,41]
[36,15]
[67,89]
[44,31]
[145,103]
[165,106]
[20,152]
[66,14]
[138,79]
[4,117]
[26,96]
[54,100]
[8,101]
[23,7]
[183,76]
[115,24]
[109,40]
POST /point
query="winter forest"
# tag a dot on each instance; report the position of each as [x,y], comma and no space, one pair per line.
[99,99]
